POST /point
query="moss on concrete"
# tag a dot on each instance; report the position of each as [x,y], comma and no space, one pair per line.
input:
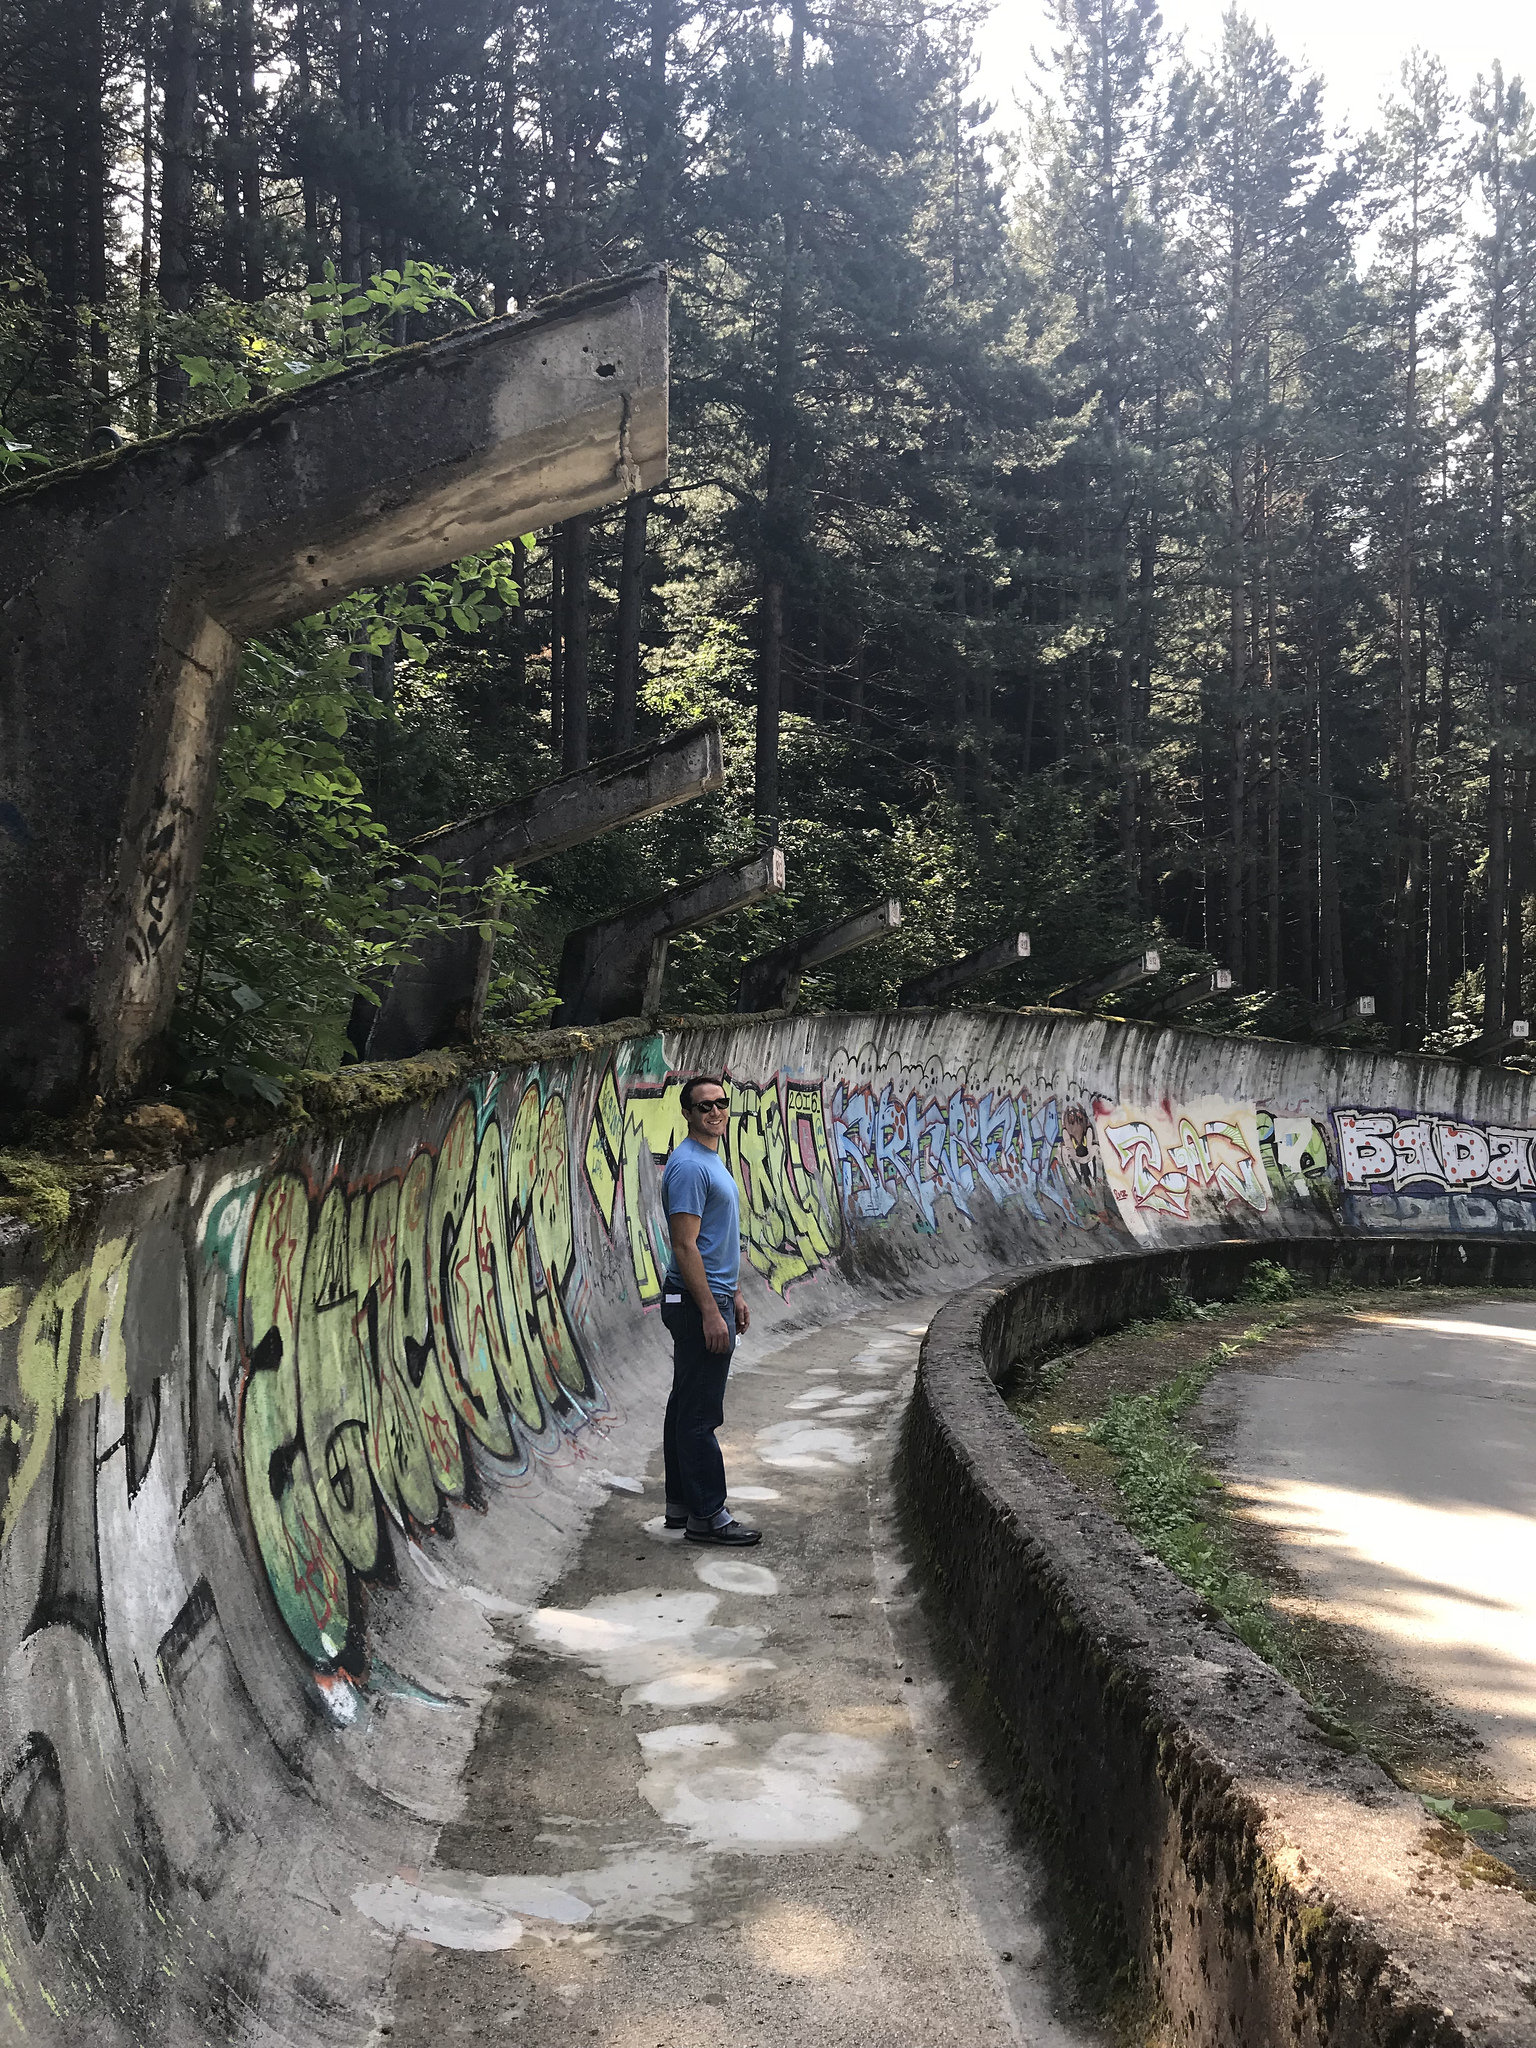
[57,1176]
[49,1195]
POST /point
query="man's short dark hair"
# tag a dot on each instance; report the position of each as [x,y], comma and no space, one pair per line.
[685,1093]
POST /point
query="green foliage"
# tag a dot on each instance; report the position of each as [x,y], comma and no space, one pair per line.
[1472,1820]
[1269,1282]
[305,904]
[294,340]
[1168,1492]
[1181,1308]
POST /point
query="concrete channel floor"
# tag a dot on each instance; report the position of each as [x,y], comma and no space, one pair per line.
[721,1797]
[1397,1471]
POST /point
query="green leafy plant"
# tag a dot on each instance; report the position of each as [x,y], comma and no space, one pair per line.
[305,904]
[1267,1281]
[332,326]
[1167,1491]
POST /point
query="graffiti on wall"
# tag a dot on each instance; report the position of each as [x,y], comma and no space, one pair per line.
[1297,1160]
[89,1456]
[1415,1171]
[775,1144]
[382,1323]
[313,1366]
[900,1145]
[1200,1163]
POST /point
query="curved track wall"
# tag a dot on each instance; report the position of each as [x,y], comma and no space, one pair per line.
[308,1421]
[1266,1887]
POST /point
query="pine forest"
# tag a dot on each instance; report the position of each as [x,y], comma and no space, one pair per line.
[1112,517]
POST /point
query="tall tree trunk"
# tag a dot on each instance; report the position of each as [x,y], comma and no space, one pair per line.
[314,262]
[253,232]
[1274,732]
[557,642]
[780,440]
[507,212]
[578,620]
[1405,910]
[1520,875]
[178,139]
[1146,650]
[1495,993]
[94,167]
[144,395]
[349,65]
[626,661]
[1308,921]
[231,145]
[959,717]
[1331,947]
[769,683]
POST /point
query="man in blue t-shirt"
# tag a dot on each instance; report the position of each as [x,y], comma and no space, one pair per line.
[702,1305]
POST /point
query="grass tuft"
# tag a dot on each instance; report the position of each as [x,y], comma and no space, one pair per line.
[1170,1496]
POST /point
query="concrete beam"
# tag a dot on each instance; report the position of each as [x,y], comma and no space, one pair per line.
[1352,1012]
[1494,1045]
[928,988]
[131,581]
[1189,995]
[1080,994]
[614,968]
[772,982]
[439,997]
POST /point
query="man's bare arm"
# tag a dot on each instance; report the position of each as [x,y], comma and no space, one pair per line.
[690,1263]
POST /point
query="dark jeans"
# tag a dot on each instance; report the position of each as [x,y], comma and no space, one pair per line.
[695,1410]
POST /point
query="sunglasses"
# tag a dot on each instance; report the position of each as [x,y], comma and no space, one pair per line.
[708,1108]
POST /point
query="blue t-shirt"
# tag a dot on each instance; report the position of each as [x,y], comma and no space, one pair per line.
[697,1182]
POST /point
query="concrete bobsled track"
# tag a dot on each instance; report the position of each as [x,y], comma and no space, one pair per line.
[288,1449]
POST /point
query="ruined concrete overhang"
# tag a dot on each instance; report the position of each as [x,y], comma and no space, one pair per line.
[131,582]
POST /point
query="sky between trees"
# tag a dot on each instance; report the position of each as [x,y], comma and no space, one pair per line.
[1356,46]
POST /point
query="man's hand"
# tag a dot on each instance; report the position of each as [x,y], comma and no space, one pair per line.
[716,1336]
[743,1316]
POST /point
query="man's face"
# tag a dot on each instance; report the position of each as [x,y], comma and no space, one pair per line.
[708,1111]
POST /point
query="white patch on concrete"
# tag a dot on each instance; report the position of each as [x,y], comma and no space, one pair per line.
[431,1571]
[652,1884]
[462,1909]
[657,1526]
[792,1798]
[808,1447]
[493,1603]
[755,1493]
[619,1482]
[854,1404]
[814,1397]
[685,1736]
[661,1648]
[735,1575]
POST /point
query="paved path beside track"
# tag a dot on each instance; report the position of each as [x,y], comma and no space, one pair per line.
[1397,1470]
[720,1797]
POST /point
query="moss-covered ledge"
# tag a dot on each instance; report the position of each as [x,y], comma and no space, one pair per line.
[57,1177]
[1262,1886]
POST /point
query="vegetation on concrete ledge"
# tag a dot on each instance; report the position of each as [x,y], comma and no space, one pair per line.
[58,1173]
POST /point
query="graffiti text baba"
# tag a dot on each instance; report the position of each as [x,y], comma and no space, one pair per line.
[1379,1148]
